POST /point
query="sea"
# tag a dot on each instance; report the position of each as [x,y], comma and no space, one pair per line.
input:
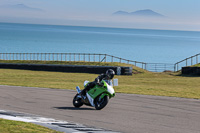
[144,45]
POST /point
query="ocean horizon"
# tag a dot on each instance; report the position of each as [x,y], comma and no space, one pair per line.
[144,45]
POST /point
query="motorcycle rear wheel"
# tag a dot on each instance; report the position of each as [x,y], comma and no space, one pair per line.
[100,103]
[77,101]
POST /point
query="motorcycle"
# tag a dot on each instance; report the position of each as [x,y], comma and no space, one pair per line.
[97,97]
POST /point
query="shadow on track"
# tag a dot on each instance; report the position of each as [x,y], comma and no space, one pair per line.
[73,108]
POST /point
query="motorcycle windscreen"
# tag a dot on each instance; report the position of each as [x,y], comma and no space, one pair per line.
[109,82]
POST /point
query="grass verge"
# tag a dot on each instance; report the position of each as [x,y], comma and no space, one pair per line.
[8,126]
[147,83]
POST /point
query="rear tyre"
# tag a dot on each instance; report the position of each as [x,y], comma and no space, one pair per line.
[77,101]
[100,103]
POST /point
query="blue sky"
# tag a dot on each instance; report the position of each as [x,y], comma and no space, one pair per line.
[182,14]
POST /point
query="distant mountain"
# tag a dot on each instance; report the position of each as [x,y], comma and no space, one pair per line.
[146,12]
[139,13]
[121,13]
[21,7]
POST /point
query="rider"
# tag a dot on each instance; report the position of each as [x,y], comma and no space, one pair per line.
[107,76]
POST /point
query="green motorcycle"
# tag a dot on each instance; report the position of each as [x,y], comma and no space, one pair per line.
[97,97]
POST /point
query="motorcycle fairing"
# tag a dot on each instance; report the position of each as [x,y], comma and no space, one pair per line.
[96,91]
[110,89]
[91,100]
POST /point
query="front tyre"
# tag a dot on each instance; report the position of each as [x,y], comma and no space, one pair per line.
[77,101]
[101,102]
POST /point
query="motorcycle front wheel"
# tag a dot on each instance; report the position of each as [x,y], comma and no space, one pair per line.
[101,102]
[77,101]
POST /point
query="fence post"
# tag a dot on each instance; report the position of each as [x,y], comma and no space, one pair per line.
[156,67]
[145,66]
[99,58]
[33,56]
[49,56]
[186,62]
[41,56]
[74,57]
[177,67]
[30,56]
[105,57]
[61,56]
[174,67]
[45,58]
[57,56]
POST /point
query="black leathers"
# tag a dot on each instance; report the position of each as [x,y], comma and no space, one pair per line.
[92,84]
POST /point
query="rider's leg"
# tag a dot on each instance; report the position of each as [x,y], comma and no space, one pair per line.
[87,88]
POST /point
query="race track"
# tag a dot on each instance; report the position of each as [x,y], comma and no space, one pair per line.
[126,113]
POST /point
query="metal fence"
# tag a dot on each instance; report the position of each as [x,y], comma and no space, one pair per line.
[187,62]
[87,57]
[159,67]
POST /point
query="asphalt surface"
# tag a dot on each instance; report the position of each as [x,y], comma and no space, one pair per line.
[126,113]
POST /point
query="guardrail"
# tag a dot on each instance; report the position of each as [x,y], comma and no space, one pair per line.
[159,67]
[86,57]
[187,62]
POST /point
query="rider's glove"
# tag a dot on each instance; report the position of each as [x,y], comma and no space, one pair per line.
[97,81]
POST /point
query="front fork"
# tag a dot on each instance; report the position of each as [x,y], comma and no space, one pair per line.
[78,89]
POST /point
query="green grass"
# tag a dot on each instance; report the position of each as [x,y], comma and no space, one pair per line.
[147,83]
[8,126]
[197,65]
